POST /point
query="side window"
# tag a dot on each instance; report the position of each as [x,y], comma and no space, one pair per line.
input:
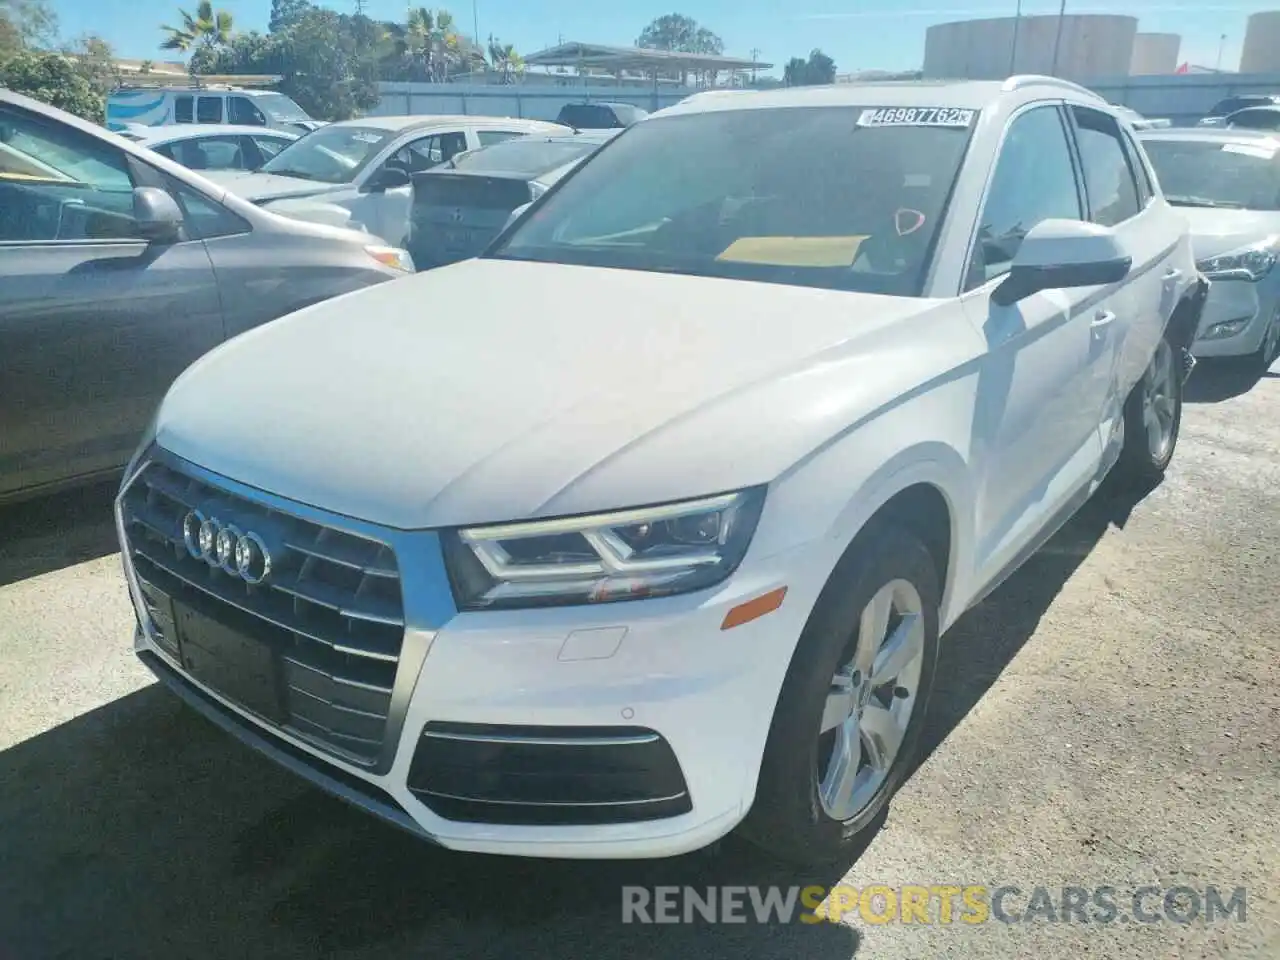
[1146,186]
[1034,180]
[1108,179]
[269,146]
[182,109]
[242,110]
[205,220]
[490,137]
[57,183]
[209,110]
[429,151]
[220,153]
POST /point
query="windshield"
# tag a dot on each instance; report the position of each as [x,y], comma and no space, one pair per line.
[334,154]
[525,158]
[591,116]
[1212,173]
[838,197]
[279,107]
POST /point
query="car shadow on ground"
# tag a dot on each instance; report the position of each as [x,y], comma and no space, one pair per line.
[1214,381]
[60,530]
[140,830]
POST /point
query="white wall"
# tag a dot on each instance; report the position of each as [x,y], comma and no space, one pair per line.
[516,100]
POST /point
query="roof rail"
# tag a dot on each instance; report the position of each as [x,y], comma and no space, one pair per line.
[1022,81]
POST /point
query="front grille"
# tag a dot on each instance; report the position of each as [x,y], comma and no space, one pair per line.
[483,773]
[314,648]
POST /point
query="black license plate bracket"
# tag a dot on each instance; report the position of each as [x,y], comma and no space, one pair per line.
[237,667]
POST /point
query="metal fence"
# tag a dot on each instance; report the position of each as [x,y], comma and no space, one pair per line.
[1183,98]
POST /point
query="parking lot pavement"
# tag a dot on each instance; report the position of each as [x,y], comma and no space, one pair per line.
[1111,716]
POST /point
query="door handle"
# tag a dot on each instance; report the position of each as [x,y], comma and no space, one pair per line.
[1102,319]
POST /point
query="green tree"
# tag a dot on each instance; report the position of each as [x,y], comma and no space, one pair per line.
[27,23]
[504,60]
[819,69]
[206,28]
[675,31]
[56,79]
[285,13]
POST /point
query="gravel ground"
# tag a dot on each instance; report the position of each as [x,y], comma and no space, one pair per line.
[1109,717]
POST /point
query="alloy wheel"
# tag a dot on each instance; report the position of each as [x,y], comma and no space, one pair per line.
[1159,403]
[871,701]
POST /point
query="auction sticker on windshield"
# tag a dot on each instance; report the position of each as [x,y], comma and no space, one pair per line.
[916,117]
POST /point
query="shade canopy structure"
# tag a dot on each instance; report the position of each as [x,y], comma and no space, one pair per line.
[637,59]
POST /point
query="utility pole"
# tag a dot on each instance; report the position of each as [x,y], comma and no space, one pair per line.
[1057,38]
[475,21]
[1013,48]
[1221,41]
[755,55]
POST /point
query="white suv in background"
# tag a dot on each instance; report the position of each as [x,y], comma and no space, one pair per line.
[648,522]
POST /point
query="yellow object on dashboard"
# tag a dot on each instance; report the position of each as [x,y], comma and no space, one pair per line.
[793,251]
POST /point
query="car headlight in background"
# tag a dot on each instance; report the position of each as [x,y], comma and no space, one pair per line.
[624,555]
[536,190]
[392,257]
[1250,263]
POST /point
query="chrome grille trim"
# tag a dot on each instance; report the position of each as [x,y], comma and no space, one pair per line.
[369,551]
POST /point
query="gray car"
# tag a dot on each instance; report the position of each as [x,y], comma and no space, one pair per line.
[1227,183]
[119,268]
[458,208]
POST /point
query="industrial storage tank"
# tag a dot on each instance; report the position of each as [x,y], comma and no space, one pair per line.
[1087,46]
[1155,53]
[1261,43]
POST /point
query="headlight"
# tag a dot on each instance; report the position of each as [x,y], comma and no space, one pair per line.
[625,555]
[536,189]
[1250,263]
[392,257]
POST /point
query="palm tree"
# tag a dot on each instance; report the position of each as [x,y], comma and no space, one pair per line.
[207,28]
[505,60]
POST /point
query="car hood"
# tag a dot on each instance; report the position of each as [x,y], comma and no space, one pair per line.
[267,186]
[493,390]
[1215,231]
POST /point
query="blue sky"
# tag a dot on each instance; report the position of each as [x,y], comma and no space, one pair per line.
[885,34]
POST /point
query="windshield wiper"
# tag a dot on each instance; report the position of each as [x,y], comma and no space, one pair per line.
[1179,201]
[297,174]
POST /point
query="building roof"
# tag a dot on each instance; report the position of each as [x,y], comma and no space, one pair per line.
[575,54]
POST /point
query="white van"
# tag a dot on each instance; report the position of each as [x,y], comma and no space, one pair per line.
[160,106]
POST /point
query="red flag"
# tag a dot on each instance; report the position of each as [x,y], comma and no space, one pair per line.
[1185,68]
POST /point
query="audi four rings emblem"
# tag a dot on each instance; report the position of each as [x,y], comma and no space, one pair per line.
[227,548]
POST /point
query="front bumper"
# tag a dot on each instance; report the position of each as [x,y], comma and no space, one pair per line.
[1253,305]
[650,698]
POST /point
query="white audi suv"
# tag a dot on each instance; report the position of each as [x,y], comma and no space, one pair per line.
[645,524]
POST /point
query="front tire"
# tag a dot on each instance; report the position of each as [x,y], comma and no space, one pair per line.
[853,703]
[1267,352]
[1152,420]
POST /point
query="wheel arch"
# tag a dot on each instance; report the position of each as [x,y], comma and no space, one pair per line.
[927,491]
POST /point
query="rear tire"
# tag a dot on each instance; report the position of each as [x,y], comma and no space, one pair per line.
[1152,420]
[811,807]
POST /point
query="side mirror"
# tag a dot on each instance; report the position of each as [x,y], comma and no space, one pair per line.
[1063,253]
[388,178]
[156,215]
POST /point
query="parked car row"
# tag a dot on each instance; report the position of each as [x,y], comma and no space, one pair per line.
[466,549]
